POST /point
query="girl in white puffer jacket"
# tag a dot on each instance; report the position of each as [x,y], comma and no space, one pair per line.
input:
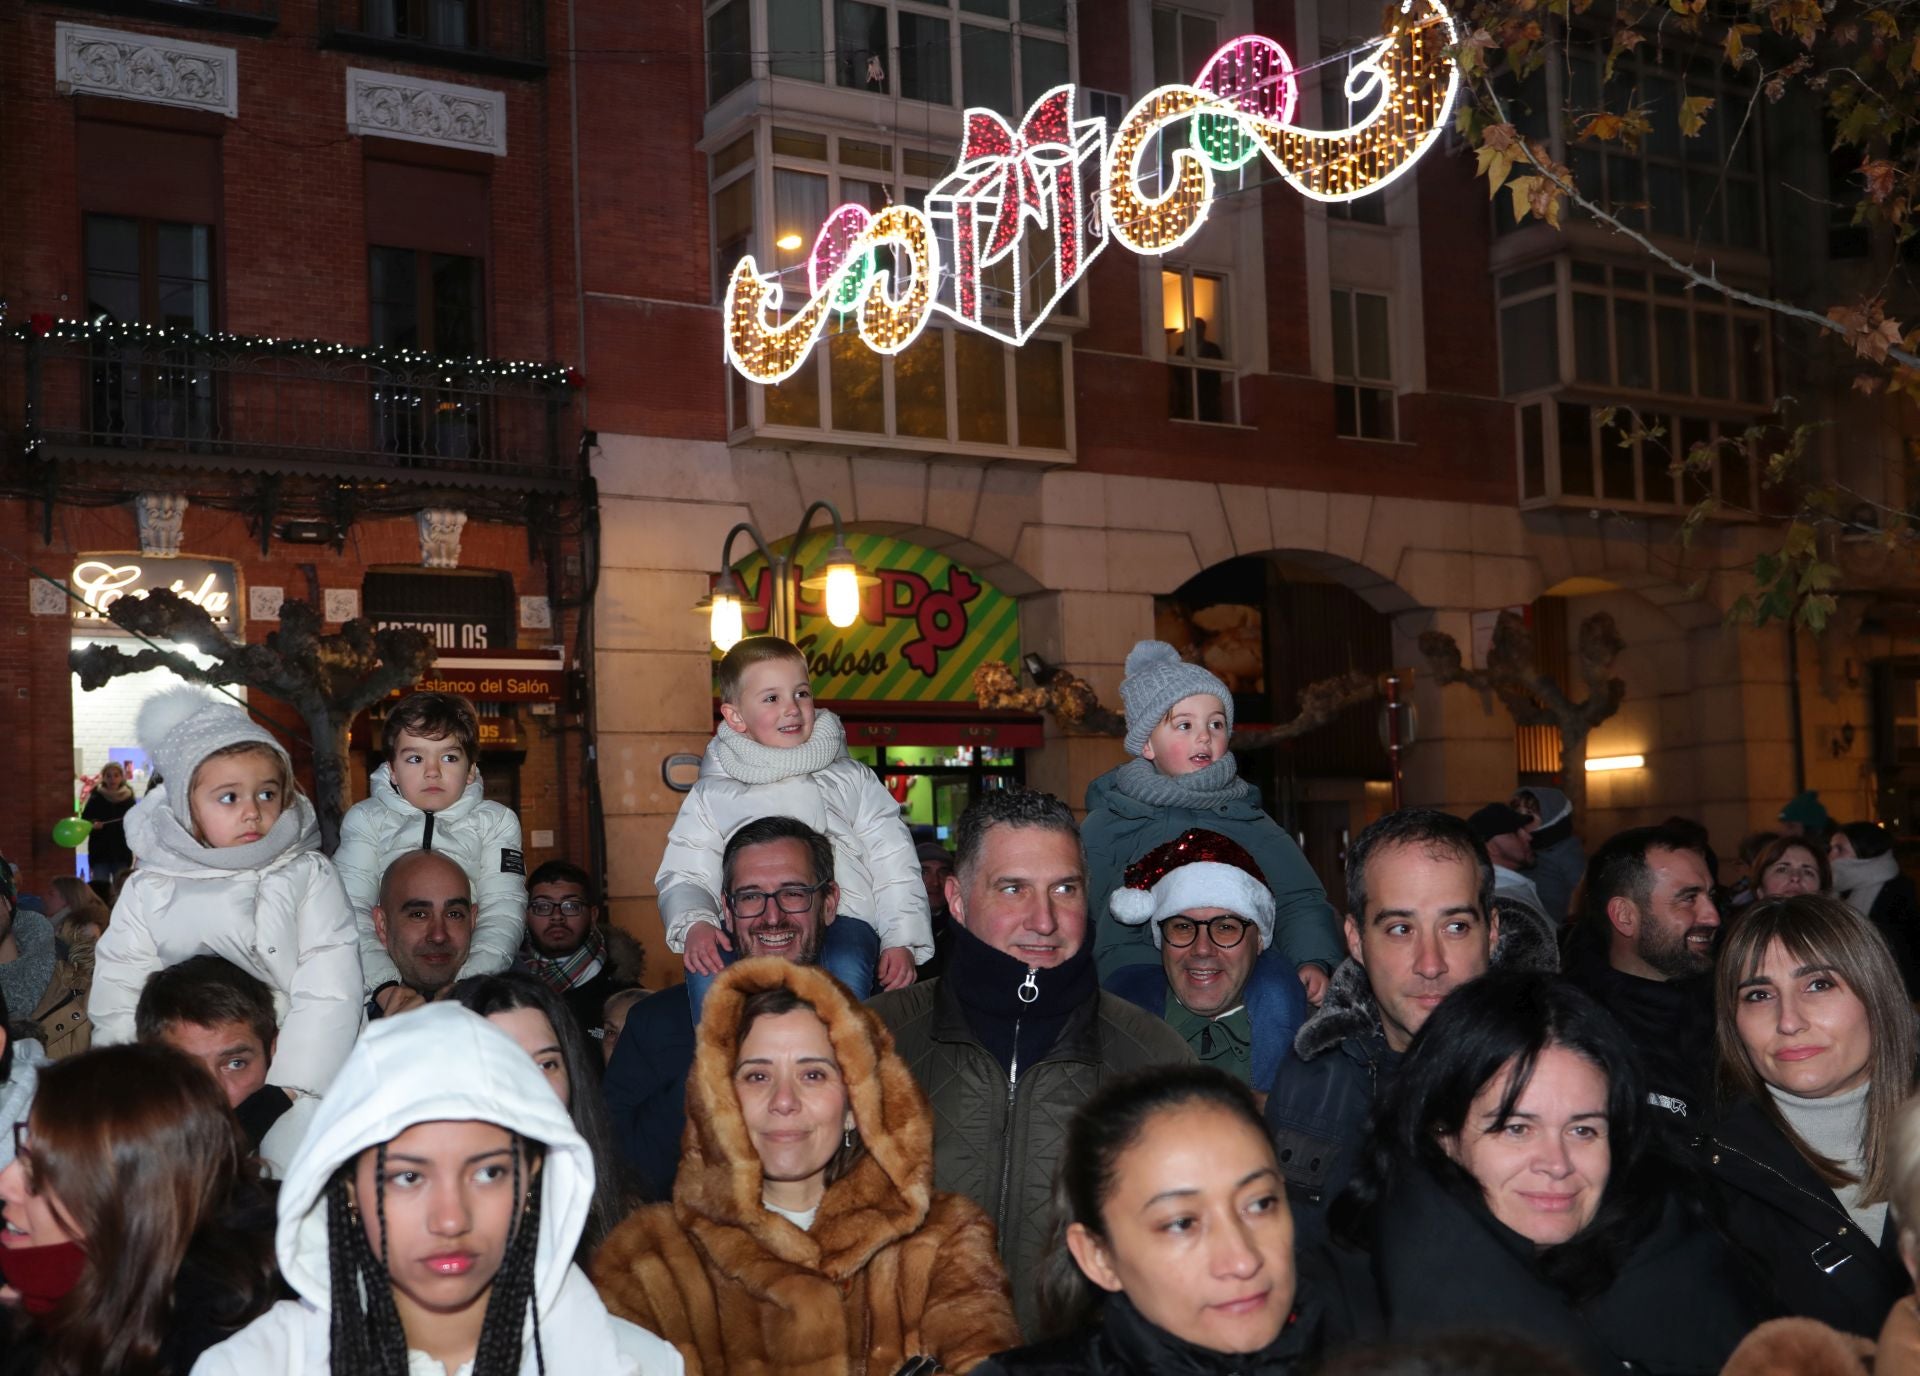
[229,865]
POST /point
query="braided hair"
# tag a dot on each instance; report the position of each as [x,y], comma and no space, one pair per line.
[366,1337]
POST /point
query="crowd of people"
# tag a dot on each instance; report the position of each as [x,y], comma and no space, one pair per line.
[1118,1095]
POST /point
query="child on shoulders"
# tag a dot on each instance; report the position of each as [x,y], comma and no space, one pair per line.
[428,796]
[776,755]
[230,865]
[1179,718]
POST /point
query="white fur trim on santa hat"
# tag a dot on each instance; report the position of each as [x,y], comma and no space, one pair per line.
[1199,884]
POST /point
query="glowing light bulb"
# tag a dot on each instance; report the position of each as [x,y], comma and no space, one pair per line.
[788,242]
[843,594]
[728,622]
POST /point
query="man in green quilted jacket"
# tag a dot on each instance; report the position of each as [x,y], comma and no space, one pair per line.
[1017,1033]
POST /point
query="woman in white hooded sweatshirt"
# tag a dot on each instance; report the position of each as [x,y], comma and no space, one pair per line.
[429,1221]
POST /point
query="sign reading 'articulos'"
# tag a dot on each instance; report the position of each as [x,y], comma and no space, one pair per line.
[1010,230]
[923,628]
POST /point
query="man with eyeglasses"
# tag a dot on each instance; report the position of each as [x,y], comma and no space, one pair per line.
[1218,984]
[565,945]
[777,877]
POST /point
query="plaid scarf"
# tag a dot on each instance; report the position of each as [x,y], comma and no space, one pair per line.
[563,973]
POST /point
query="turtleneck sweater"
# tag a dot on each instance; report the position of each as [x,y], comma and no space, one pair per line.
[988,983]
[1836,1127]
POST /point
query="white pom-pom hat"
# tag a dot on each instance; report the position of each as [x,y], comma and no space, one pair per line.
[1198,869]
[180,727]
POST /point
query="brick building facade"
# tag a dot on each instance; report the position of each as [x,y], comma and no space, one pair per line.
[211,182]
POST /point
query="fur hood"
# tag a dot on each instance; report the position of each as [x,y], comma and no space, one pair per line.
[1526,942]
[1799,1347]
[887,1193]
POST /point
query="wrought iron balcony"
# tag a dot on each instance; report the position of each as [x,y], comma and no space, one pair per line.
[234,16]
[266,407]
[505,37]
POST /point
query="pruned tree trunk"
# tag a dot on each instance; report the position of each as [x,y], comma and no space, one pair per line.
[327,679]
[1532,697]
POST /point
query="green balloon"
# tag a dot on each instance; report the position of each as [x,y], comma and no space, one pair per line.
[71,831]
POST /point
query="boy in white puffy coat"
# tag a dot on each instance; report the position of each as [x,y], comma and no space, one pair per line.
[428,796]
[230,865]
[776,755]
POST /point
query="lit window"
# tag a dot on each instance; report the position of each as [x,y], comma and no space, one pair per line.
[1363,365]
[1199,347]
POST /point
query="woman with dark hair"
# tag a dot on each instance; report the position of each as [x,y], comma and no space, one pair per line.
[539,1020]
[1514,1180]
[1866,874]
[1173,1245]
[137,1233]
[1815,1043]
[429,1219]
[805,1234]
[1790,865]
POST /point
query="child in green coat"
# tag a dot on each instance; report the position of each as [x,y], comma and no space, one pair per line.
[1179,717]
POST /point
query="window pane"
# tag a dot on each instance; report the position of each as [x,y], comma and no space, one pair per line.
[1590,362]
[1666,195]
[926,59]
[1208,337]
[1343,334]
[1750,359]
[795,35]
[799,209]
[1376,413]
[1199,36]
[1704,205]
[1736,475]
[853,375]
[920,387]
[113,268]
[1043,65]
[1576,451]
[997,8]
[860,45]
[1662,94]
[1045,14]
[1173,310]
[1039,374]
[797,400]
[1710,353]
[395,297]
[1529,346]
[735,154]
[1635,354]
[856,153]
[732,227]
[799,143]
[1373,356]
[1743,213]
[1694,433]
[1617,460]
[1166,48]
[181,251]
[1533,452]
[459,307]
[1656,460]
[1536,277]
[981,379]
[986,67]
[1670,337]
[729,41]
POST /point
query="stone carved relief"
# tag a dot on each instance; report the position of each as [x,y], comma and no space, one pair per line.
[402,107]
[135,66]
[440,529]
[162,517]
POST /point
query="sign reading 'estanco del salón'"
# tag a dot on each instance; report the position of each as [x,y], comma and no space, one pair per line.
[1010,230]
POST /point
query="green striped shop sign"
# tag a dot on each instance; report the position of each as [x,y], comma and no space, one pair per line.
[923,629]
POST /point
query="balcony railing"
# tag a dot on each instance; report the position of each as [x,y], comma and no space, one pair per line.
[501,36]
[252,406]
[235,16]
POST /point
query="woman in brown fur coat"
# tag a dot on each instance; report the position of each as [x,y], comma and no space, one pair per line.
[804,1236]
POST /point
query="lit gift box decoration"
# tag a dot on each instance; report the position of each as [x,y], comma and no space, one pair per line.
[1018,219]
[1009,231]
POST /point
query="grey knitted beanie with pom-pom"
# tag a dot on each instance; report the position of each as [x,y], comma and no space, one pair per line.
[1156,679]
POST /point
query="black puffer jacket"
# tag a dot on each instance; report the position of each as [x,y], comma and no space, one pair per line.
[1669,1022]
[1441,1263]
[1317,1109]
[1125,1343]
[998,1136]
[1779,1211]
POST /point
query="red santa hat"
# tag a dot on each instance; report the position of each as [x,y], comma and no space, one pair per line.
[1200,869]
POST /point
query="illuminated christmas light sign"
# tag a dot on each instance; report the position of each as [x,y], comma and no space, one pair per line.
[1010,230]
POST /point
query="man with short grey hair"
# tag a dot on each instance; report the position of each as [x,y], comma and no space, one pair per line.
[1017,1033]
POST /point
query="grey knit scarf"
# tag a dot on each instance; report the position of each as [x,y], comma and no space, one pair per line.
[1219,782]
[745,759]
